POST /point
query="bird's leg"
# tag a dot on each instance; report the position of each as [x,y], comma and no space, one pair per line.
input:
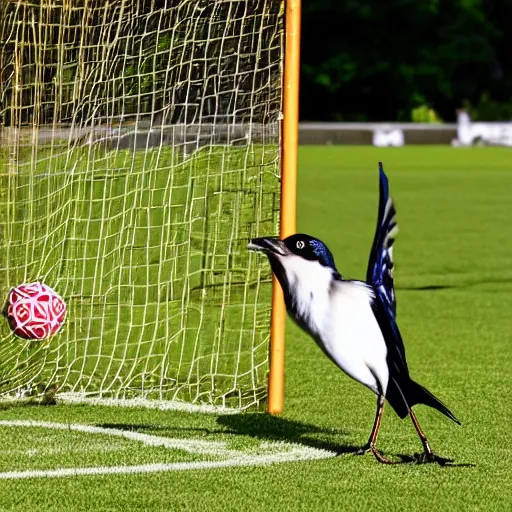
[370,445]
[424,441]
[428,455]
[376,425]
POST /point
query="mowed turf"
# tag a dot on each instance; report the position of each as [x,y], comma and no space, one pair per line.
[454,291]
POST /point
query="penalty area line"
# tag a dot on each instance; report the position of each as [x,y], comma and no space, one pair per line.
[279,452]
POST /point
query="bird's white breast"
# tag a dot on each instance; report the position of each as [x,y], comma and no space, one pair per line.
[339,316]
[352,337]
[309,284]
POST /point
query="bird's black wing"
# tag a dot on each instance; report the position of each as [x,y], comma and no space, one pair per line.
[402,392]
[380,265]
[380,276]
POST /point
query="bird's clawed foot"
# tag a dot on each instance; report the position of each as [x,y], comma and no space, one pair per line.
[426,458]
[417,458]
[369,447]
[380,457]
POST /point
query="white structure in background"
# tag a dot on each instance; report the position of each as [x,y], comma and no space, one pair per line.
[391,137]
[474,134]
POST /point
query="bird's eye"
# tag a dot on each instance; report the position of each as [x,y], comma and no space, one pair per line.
[300,244]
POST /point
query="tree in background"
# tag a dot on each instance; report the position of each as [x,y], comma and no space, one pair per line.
[373,60]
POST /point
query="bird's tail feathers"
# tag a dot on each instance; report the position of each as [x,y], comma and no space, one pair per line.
[417,394]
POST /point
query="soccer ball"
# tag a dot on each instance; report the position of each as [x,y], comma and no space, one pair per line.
[35,311]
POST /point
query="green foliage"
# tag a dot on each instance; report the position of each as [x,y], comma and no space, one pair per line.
[488,108]
[379,60]
[179,62]
[424,114]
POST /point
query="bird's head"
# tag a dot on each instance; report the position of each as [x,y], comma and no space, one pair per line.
[297,257]
[301,245]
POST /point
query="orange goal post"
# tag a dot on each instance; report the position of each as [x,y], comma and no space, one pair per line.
[288,196]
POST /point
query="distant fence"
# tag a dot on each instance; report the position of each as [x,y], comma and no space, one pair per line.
[191,137]
[144,135]
[366,133]
[463,133]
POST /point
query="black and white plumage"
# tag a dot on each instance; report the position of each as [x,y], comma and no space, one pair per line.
[354,322]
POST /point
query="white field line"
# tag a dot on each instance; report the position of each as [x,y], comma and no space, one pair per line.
[161,405]
[188,445]
[277,452]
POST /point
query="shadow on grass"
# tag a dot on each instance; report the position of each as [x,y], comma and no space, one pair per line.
[430,287]
[416,459]
[268,427]
[272,428]
[261,426]
[437,287]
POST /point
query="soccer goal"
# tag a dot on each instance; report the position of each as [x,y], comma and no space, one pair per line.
[141,146]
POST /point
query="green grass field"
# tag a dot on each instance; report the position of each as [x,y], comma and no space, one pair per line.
[454,292]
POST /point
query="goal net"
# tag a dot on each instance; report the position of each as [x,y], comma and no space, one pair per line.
[139,151]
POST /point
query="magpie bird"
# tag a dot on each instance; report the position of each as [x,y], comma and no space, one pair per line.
[354,322]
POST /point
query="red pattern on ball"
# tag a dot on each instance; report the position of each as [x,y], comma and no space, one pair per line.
[35,311]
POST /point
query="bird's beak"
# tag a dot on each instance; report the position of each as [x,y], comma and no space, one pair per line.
[269,245]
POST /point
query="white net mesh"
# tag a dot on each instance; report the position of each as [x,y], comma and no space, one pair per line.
[139,150]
